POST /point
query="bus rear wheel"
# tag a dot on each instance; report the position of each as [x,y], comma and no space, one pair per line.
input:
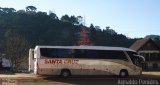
[123,73]
[65,73]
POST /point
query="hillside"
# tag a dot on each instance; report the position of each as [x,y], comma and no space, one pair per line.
[40,28]
[24,29]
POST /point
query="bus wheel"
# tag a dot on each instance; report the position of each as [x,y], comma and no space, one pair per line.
[123,73]
[65,73]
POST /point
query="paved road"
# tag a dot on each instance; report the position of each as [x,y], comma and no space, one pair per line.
[147,78]
[82,81]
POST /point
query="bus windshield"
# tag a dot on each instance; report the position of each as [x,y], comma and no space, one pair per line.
[136,59]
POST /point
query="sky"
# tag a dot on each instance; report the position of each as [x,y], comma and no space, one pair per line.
[133,18]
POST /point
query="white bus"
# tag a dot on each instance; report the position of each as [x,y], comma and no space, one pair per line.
[86,60]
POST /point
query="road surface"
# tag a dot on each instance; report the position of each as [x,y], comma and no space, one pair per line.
[148,78]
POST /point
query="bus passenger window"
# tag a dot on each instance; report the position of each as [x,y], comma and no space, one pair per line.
[107,54]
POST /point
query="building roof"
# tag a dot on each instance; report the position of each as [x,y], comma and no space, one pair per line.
[140,43]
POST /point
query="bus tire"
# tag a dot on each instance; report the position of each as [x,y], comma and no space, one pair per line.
[123,73]
[65,73]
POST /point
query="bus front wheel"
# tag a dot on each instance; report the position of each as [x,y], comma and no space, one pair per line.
[123,73]
[65,73]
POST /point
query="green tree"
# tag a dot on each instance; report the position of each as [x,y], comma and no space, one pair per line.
[16,48]
[7,10]
[31,8]
[65,18]
[53,15]
[72,19]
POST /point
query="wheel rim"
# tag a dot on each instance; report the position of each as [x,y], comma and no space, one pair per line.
[65,74]
[123,74]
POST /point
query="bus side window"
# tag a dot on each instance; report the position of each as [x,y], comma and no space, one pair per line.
[79,53]
[48,52]
[109,54]
[92,54]
[56,53]
[64,53]
[86,53]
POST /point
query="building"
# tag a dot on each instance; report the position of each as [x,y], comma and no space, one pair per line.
[150,50]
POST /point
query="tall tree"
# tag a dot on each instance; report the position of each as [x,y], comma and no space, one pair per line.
[31,8]
[53,15]
[16,48]
[7,10]
[65,18]
[80,20]
[72,19]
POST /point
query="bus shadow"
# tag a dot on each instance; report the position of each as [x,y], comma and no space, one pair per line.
[95,80]
[89,77]
[85,80]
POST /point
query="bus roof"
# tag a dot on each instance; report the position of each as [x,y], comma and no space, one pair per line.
[89,47]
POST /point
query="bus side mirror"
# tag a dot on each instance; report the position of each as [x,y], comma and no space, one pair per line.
[141,57]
